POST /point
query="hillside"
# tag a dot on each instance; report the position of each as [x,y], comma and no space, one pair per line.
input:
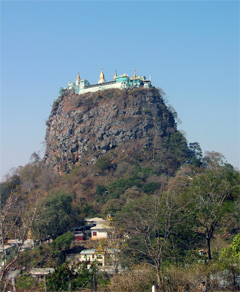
[134,122]
[117,154]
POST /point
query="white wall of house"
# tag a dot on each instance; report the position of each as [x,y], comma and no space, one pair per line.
[98,234]
[90,256]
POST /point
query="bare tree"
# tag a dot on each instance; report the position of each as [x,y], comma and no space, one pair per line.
[148,224]
[16,217]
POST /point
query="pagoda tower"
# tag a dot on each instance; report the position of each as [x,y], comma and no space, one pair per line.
[102,78]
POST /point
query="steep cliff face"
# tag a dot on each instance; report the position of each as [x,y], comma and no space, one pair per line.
[82,128]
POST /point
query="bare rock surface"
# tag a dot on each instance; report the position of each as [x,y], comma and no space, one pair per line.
[81,128]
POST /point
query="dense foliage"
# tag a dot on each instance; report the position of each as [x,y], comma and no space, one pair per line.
[56,214]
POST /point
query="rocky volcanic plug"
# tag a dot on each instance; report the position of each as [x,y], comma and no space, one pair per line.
[81,128]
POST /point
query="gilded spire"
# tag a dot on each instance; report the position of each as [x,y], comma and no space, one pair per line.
[134,76]
[114,77]
[99,249]
[102,78]
[69,82]
[78,79]
[101,74]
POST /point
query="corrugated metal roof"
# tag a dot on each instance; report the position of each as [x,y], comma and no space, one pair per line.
[88,251]
[42,271]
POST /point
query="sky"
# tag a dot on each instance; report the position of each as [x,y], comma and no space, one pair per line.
[190,49]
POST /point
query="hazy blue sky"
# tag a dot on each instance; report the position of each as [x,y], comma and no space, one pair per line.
[190,49]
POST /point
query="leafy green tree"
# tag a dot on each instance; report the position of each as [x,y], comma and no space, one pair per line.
[87,210]
[117,187]
[46,255]
[208,193]
[178,145]
[232,252]
[61,245]
[112,206]
[63,242]
[65,278]
[55,215]
[230,258]
[60,279]
[86,278]
[196,153]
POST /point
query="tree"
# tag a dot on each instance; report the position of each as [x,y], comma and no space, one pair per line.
[178,145]
[214,160]
[139,278]
[7,187]
[47,178]
[29,174]
[112,206]
[196,153]
[65,278]
[208,192]
[148,224]
[230,257]
[55,215]
[61,245]
[60,280]
[233,251]
[46,255]
[63,242]
[16,218]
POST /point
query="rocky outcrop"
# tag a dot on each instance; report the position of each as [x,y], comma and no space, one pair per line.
[81,128]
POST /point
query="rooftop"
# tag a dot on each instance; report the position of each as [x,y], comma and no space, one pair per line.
[42,271]
[94,219]
[88,251]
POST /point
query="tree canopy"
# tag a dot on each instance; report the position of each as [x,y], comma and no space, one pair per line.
[55,215]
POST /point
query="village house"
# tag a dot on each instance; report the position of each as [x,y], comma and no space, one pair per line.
[99,231]
[100,228]
[94,228]
[106,259]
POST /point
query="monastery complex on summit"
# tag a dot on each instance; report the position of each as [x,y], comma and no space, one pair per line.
[119,81]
